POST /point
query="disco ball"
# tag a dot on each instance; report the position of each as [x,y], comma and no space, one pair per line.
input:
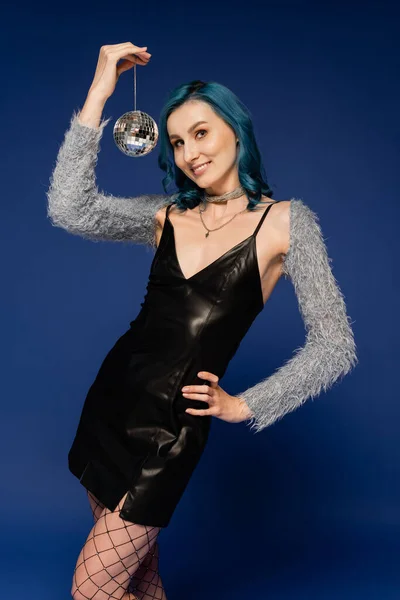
[135,133]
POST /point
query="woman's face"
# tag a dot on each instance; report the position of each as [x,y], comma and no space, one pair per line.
[198,135]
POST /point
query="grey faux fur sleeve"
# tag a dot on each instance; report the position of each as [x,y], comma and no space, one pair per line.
[330,351]
[75,203]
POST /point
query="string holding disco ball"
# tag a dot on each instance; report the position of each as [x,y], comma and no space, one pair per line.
[135,133]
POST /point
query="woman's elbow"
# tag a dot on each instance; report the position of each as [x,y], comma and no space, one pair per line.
[61,215]
[340,360]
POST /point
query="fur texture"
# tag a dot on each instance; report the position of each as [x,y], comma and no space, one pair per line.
[75,203]
[329,353]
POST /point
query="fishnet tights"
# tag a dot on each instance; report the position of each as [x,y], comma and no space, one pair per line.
[119,559]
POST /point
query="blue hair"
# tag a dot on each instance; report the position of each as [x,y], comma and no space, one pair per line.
[227,105]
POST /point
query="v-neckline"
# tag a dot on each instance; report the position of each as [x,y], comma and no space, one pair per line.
[214,262]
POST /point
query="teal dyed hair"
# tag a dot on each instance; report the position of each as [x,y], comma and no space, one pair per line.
[228,106]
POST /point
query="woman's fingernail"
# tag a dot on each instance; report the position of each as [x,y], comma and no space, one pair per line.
[185,389]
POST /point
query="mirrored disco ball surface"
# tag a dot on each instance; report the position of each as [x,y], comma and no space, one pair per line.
[135,133]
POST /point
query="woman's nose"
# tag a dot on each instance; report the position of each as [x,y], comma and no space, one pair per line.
[190,154]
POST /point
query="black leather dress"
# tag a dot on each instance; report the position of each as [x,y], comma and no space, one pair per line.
[134,434]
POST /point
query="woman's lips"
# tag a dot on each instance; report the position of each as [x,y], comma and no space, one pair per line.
[202,169]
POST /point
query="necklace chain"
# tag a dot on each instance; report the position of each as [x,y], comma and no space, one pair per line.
[236,193]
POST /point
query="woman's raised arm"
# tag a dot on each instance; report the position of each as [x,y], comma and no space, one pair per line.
[76,204]
[330,351]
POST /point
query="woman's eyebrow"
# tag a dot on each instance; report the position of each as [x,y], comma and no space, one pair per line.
[189,130]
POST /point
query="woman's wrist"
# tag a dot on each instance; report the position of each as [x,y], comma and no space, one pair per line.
[245,412]
[91,112]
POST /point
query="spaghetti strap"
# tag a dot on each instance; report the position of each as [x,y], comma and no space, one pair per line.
[266,211]
[168,207]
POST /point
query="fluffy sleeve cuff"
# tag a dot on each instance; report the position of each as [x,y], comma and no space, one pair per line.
[329,352]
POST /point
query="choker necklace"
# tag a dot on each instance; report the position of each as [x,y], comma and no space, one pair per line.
[236,193]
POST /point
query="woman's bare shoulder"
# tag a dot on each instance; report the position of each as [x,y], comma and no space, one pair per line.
[160,216]
[279,217]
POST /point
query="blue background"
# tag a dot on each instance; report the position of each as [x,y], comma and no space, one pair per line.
[309,508]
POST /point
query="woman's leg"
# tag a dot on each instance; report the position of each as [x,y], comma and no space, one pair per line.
[113,552]
[96,506]
[146,581]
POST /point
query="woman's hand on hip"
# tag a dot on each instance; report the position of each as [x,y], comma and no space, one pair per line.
[221,404]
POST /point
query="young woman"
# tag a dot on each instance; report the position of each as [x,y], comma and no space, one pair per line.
[220,246]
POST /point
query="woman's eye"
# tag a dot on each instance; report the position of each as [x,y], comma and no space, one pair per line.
[199,131]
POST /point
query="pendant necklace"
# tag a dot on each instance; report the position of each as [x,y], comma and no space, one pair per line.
[236,193]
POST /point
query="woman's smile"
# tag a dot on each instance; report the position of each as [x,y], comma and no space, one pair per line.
[201,169]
